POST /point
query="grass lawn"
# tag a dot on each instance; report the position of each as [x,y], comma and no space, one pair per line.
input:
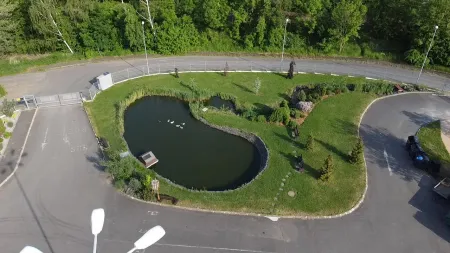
[333,124]
[431,142]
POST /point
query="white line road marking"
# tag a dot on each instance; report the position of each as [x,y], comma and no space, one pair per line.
[334,74]
[272,218]
[301,72]
[370,78]
[212,248]
[387,161]
[351,76]
[45,139]
[317,73]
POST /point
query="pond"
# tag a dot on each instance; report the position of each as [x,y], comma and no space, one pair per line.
[190,153]
[220,103]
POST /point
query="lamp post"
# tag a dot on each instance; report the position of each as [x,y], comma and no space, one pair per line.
[97,220]
[426,55]
[284,42]
[145,47]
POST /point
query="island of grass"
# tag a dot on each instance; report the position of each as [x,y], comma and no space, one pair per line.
[333,123]
[430,140]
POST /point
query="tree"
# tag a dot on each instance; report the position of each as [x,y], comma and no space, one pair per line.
[327,169]
[310,142]
[357,151]
[42,14]
[346,20]
[134,185]
[120,168]
[302,96]
[8,107]
[8,25]
[257,85]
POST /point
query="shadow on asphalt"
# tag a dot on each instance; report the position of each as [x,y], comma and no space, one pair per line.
[419,118]
[379,144]
[432,208]
[96,160]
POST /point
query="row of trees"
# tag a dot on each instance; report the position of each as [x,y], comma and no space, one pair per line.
[179,26]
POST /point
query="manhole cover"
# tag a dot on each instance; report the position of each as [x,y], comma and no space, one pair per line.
[291,193]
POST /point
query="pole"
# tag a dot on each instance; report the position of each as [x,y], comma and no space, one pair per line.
[95,244]
[426,55]
[284,42]
[145,47]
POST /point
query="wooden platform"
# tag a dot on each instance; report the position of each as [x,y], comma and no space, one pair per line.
[149,159]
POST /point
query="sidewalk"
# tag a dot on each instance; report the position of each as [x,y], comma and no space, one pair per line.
[16,143]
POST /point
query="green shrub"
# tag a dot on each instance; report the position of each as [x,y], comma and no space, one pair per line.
[8,107]
[120,169]
[10,124]
[284,103]
[1,139]
[310,142]
[1,145]
[119,184]
[134,185]
[327,169]
[261,118]
[280,115]
[2,128]
[356,156]
[295,113]
[292,125]
[7,135]
[2,91]
[301,96]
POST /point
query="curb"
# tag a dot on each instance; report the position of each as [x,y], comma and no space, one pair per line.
[21,151]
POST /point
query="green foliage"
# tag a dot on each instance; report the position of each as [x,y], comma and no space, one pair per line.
[301,96]
[261,118]
[177,37]
[10,124]
[8,25]
[120,169]
[8,107]
[2,91]
[356,156]
[2,128]
[295,113]
[310,142]
[292,125]
[327,169]
[280,115]
[7,135]
[134,185]
[119,184]
[346,20]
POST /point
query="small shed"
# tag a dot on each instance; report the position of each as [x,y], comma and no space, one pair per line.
[149,159]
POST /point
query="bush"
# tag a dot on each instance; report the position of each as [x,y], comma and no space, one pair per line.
[7,135]
[261,118]
[284,103]
[327,169]
[120,169]
[301,96]
[119,184]
[280,115]
[2,91]
[310,142]
[10,124]
[357,151]
[8,107]
[295,113]
[292,125]
[134,185]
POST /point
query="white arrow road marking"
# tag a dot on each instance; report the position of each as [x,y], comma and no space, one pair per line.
[387,161]
[272,218]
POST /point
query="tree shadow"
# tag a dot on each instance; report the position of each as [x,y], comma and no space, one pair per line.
[242,87]
[333,149]
[432,208]
[419,118]
[381,146]
[284,75]
[285,97]
[263,109]
[96,160]
[290,140]
[308,169]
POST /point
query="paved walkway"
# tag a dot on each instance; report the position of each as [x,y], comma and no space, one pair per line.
[9,160]
[445,133]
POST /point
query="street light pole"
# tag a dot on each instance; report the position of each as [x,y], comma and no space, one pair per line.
[284,42]
[145,47]
[426,55]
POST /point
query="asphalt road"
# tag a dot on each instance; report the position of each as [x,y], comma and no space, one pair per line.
[76,78]
[49,200]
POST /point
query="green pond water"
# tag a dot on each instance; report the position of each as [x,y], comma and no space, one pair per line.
[190,153]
